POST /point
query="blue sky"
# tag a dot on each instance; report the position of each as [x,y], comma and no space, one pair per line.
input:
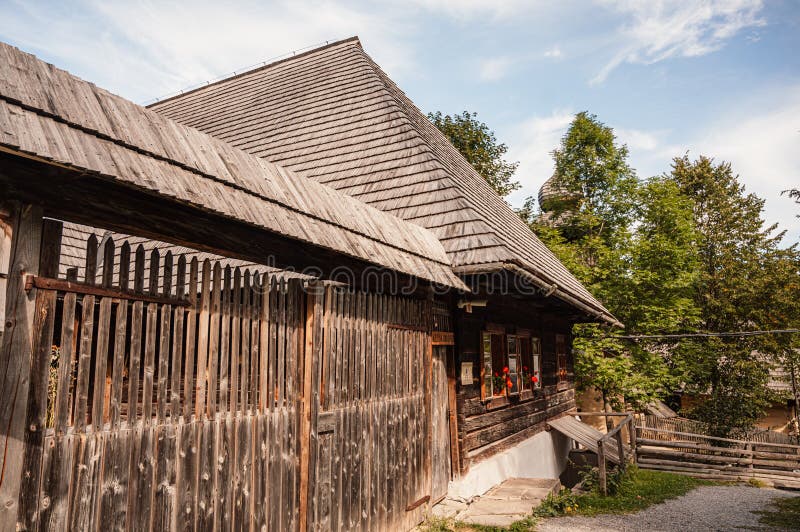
[714,77]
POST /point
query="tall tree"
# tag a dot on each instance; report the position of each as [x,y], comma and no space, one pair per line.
[631,243]
[734,247]
[597,183]
[478,144]
[781,310]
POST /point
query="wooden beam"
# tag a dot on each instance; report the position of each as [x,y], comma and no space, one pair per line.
[95,201]
[15,358]
[61,285]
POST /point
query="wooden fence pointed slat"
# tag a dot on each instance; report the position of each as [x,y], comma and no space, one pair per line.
[138,273]
[108,263]
[137,322]
[90,265]
[84,363]
[236,302]
[101,364]
[244,352]
[167,275]
[118,365]
[202,342]
[153,271]
[124,266]
[66,363]
[191,335]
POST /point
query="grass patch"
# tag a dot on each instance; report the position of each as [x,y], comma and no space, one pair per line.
[635,490]
[783,514]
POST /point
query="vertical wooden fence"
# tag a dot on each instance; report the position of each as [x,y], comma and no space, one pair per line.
[172,394]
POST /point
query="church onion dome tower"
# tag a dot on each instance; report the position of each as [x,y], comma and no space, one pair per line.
[552,197]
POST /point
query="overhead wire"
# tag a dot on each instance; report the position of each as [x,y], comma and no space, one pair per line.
[726,334]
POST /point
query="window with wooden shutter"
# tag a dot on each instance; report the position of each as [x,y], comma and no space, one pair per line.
[561,359]
[486,362]
[535,376]
[494,365]
[514,350]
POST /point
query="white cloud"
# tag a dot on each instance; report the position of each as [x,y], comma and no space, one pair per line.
[466,9]
[494,69]
[531,143]
[762,142]
[662,29]
[637,139]
[152,48]
[554,52]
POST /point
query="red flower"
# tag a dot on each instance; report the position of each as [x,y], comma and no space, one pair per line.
[524,368]
[534,379]
[505,369]
[495,374]
[509,383]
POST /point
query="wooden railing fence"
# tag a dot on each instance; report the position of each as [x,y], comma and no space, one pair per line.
[718,458]
[604,446]
[680,424]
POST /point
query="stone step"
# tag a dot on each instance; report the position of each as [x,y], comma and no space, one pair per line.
[510,501]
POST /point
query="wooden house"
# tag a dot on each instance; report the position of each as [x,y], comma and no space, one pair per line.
[331,114]
[276,303]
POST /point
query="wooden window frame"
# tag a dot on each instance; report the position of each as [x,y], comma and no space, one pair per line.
[536,362]
[562,371]
[514,362]
[491,335]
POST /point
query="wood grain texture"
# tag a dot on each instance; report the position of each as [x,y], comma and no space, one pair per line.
[15,362]
[183,164]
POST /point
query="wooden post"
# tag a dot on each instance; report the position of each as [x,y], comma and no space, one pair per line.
[15,357]
[620,449]
[312,375]
[601,466]
[452,409]
[428,389]
[632,434]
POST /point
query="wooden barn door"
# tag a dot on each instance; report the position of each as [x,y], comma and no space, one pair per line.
[440,427]
[370,437]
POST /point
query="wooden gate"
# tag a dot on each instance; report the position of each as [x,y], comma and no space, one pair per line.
[371,442]
[440,425]
[169,403]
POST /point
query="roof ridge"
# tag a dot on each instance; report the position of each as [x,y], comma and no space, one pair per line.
[263,66]
[456,158]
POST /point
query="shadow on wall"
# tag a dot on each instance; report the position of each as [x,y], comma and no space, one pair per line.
[542,456]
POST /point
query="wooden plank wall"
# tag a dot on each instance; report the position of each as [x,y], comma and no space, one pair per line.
[372,468]
[486,428]
[172,396]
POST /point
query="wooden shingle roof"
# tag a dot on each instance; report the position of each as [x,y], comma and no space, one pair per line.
[52,116]
[332,114]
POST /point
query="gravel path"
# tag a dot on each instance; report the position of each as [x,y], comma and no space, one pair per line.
[705,508]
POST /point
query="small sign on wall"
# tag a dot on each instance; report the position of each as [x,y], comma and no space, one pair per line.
[466,373]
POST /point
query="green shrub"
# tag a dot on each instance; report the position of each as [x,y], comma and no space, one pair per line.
[563,502]
[615,479]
